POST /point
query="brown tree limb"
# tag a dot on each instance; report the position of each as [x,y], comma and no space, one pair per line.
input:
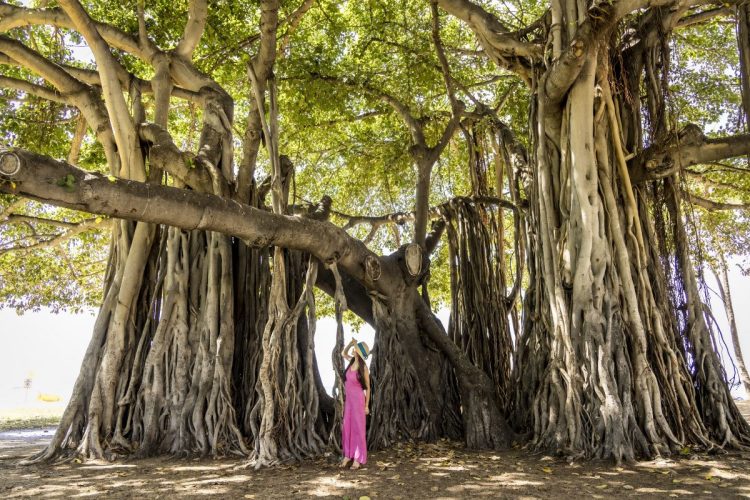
[743,44]
[196,24]
[33,89]
[259,68]
[292,23]
[58,183]
[78,136]
[58,239]
[37,63]
[503,47]
[167,156]
[11,209]
[12,16]
[444,66]
[415,129]
[81,95]
[16,218]
[714,205]
[703,16]
[662,160]
[122,126]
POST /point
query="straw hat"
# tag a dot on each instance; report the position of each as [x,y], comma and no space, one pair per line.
[363,349]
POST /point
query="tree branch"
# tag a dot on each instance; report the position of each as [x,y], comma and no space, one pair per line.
[16,218]
[166,155]
[444,66]
[703,16]
[196,24]
[122,125]
[503,47]
[40,65]
[83,96]
[75,146]
[292,22]
[662,160]
[10,209]
[714,205]
[259,68]
[33,89]
[59,239]
[12,16]
[58,183]
[415,129]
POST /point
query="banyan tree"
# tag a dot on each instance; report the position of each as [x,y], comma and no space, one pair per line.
[542,170]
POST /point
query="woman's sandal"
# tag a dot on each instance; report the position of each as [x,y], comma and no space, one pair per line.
[356,465]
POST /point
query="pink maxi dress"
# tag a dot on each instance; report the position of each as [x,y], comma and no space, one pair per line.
[354,431]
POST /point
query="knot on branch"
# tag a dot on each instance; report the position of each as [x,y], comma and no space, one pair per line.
[320,210]
[691,135]
[414,263]
[10,163]
[372,267]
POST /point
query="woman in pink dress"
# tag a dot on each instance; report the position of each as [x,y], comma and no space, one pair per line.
[356,405]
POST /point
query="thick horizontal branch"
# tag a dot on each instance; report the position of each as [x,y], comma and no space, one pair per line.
[32,88]
[58,183]
[128,81]
[661,160]
[714,205]
[703,16]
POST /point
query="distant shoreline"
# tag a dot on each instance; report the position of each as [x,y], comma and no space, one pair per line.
[29,418]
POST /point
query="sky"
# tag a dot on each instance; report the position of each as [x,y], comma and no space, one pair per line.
[48,348]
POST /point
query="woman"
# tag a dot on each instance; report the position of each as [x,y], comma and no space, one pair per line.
[356,405]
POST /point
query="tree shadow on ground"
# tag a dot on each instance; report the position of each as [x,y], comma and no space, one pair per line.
[440,470]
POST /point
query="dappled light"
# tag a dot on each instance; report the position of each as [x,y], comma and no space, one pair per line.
[439,470]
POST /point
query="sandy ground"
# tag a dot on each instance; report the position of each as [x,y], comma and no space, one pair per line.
[435,471]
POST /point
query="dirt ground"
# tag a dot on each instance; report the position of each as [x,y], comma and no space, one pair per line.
[435,471]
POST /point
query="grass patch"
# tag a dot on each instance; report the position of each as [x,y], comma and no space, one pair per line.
[7,424]
[30,418]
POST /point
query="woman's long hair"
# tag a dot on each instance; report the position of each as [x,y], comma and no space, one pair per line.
[360,369]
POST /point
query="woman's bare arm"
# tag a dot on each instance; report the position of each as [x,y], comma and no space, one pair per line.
[347,348]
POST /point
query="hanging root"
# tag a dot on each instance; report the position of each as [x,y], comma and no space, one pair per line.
[287,403]
[477,271]
[398,409]
[334,436]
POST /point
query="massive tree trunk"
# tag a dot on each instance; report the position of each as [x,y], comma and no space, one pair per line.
[408,330]
[607,368]
[202,345]
[603,368]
